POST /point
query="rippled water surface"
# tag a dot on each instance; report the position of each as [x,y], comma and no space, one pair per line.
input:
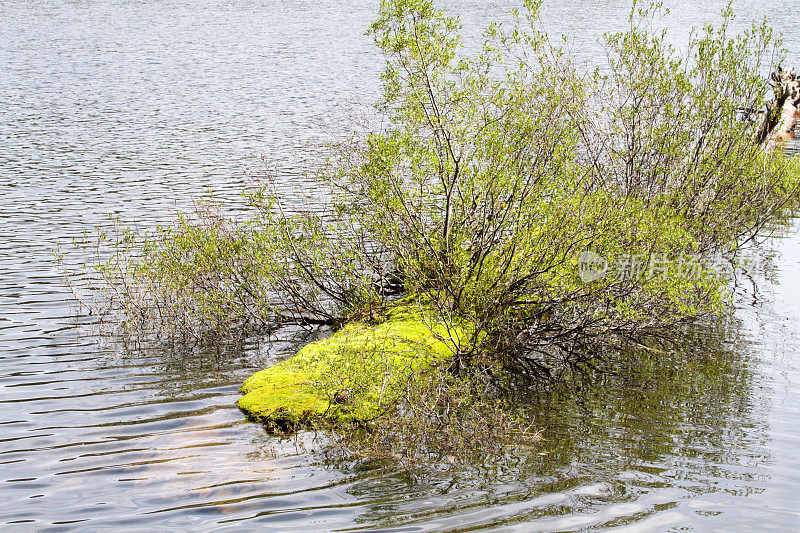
[133,109]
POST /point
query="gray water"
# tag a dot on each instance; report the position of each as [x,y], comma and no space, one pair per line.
[134,109]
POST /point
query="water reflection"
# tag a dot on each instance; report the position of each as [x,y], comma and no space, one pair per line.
[649,438]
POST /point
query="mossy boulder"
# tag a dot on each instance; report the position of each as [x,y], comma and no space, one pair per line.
[351,376]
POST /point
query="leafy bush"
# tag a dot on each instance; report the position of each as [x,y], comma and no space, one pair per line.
[489,179]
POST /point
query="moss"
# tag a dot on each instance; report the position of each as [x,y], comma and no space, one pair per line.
[352,376]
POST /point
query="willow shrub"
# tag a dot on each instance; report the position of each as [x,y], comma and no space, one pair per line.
[495,172]
[491,175]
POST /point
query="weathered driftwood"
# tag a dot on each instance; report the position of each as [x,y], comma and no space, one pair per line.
[783,114]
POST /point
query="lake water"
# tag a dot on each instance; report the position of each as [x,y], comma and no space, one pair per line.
[134,109]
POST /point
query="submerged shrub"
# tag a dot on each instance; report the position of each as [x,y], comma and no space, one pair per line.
[491,176]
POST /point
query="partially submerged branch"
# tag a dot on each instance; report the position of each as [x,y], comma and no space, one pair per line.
[783,113]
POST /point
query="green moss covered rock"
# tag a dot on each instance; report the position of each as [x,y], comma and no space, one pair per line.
[351,376]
